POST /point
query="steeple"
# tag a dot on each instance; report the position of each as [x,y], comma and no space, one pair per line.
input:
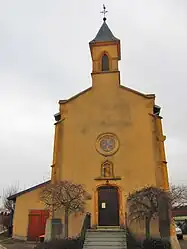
[104,35]
[105,49]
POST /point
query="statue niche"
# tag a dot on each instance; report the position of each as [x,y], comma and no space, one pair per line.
[107,172]
[107,169]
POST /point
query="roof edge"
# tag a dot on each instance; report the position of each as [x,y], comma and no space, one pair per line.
[13,197]
[148,96]
[75,96]
[103,42]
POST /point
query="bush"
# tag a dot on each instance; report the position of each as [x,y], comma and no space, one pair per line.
[133,242]
[61,244]
[152,243]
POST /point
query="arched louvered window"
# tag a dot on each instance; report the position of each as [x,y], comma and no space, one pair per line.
[105,63]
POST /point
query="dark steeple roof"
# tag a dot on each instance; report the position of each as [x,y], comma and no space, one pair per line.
[104,34]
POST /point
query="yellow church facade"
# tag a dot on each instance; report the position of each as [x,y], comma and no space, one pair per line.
[108,138]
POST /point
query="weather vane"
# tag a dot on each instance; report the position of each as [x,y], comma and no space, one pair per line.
[104,12]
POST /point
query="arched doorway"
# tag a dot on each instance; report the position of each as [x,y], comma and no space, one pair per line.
[108,206]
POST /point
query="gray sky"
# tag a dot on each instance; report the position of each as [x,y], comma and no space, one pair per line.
[44,57]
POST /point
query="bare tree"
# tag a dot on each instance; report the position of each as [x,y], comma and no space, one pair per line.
[6,221]
[9,205]
[9,191]
[146,204]
[65,195]
[178,195]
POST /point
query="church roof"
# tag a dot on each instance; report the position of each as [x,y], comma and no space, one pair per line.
[148,96]
[104,35]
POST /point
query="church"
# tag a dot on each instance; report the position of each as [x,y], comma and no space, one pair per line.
[108,138]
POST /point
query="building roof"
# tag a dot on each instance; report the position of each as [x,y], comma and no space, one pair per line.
[63,101]
[13,197]
[104,35]
[148,96]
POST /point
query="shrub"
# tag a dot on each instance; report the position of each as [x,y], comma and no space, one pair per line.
[152,243]
[156,243]
[61,244]
[133,242]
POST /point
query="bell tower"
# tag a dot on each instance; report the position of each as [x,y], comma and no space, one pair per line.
[105,52]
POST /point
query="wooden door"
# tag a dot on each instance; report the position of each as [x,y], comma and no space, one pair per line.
[108,202]
[37,223]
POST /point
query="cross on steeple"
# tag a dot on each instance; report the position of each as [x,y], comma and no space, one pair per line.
[104,12]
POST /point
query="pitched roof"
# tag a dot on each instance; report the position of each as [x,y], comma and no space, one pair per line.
[148,96]
[13,197]
[63,101]
[104,35]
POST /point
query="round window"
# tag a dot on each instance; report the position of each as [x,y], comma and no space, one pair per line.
[107,144]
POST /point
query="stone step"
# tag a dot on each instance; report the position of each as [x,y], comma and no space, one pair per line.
[105,247]
[105,227]
[105,236]
[104,243]
[105,239]
[109,228]
[106,230]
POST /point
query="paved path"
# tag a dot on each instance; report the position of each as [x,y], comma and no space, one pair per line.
[18,245]
[183,243]
[2,247]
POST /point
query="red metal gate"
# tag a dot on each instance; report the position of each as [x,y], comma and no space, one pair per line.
[37,223]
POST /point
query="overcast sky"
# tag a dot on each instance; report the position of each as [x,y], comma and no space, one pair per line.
[44,57]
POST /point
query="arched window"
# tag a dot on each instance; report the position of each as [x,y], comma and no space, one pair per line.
[105,63]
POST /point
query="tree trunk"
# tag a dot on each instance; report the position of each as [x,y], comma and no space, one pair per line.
[66,220]
[147,227]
